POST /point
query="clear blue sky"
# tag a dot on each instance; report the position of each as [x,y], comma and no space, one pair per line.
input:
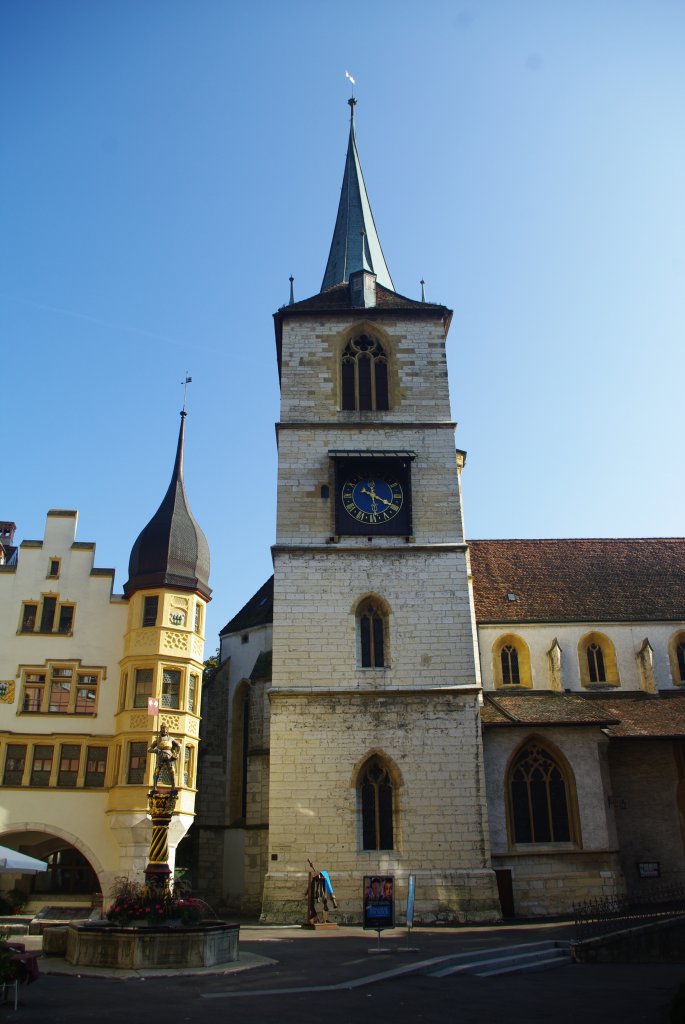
[166,165]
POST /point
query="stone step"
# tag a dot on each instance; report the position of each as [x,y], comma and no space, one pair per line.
[527,956]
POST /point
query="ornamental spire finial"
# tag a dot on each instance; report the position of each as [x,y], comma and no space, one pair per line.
[292,294]
[188,380]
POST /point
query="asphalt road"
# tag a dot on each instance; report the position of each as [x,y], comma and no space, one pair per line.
[298,969]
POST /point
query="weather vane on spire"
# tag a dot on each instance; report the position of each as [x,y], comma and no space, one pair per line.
[349,77]
[188,380]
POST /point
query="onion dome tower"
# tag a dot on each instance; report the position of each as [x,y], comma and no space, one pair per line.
[161,669]
[172,550]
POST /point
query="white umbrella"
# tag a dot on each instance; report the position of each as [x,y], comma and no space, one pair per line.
[15,863]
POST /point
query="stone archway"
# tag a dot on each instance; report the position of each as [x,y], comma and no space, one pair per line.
[73,868]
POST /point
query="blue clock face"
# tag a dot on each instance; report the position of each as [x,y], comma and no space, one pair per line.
[372,501]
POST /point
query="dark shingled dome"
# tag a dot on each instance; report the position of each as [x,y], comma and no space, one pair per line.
[172,550]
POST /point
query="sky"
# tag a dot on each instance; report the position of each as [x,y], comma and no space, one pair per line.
[167,164]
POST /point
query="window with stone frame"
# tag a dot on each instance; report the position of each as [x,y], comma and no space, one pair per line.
[364,375]
[47,616]
[540,795]
[96,765]
[60,688]
[510,665]
[511,661]
[137,763]
[371,629]
[376,799]
[15,762]
[41,767]
[676,650]
[144,680]
[69,761]
[193,687]
[188,765]
[597,657]
[150,608]
[171,688]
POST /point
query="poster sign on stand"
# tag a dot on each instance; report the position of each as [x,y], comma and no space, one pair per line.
[379,902]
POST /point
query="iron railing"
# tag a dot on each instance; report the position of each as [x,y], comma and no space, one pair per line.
[612,914]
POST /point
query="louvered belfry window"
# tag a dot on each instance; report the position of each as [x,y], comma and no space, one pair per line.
[364,375]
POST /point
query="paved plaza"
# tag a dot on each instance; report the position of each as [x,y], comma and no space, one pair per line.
[293,975]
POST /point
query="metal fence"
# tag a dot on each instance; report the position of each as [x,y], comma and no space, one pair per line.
[602,916]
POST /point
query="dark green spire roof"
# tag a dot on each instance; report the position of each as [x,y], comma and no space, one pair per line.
[172,550]
[355,244]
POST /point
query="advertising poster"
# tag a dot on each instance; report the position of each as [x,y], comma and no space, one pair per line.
[379,902]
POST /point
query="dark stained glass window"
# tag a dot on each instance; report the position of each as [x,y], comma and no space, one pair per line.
[595,662]
[539,798]
[680,654]
[510,666]
[371,637]
[377,806]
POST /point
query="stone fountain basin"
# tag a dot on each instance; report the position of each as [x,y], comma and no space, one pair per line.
[198,945]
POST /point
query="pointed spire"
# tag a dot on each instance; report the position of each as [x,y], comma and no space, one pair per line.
[355,244]
[292,293]
[172,550]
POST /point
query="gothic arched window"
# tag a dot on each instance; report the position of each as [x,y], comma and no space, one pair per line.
[511,662]
[510,665]
[371,629]
[539,797]
[376,796]
[364,375]
[597,661]
[676,650]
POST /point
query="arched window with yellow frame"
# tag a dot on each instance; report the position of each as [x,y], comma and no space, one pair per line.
[511,662]
[676,651]
[597,660]
[541,796]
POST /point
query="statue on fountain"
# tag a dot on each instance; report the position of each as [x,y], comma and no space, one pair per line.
[166,749]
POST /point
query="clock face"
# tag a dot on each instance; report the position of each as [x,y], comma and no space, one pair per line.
[372,500]
[373,497]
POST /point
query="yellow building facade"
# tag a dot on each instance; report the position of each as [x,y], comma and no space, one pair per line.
[87,678]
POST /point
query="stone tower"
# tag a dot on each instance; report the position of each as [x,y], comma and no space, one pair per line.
[375,745]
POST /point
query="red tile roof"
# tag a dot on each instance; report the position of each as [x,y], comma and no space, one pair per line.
[580,580]
[622,716]
[646,717]
[543,708]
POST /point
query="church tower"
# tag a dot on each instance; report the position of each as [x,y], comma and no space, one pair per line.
[375,745]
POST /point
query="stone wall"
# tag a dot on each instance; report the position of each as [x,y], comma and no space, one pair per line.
[647,797]
[430,741]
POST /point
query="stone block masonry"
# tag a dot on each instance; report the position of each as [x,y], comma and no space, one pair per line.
[320,743]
